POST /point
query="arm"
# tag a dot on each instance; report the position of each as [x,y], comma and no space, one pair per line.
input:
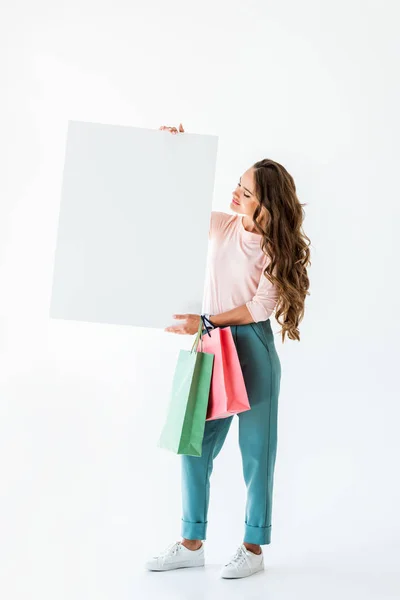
[236,316]
[259,308]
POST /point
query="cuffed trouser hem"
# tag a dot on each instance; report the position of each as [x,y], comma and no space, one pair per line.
[257,535]
[193,531]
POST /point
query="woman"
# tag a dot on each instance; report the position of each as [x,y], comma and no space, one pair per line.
[257,264]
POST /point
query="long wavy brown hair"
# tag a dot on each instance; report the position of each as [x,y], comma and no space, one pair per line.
[279,218]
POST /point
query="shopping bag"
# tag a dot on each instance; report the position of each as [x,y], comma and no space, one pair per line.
[183,430]
[228,394]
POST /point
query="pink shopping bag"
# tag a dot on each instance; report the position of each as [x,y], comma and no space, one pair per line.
[228,394]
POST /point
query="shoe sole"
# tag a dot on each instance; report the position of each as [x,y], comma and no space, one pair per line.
[176,566]
[257,570]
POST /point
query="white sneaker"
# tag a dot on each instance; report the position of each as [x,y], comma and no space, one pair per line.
[176,556]
[243,564]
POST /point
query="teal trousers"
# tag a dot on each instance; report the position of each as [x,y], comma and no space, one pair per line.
[261,369]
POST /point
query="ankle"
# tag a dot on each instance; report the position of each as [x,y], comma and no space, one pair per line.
[191,544]
[255,548]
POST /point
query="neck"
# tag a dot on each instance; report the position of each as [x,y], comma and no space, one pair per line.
[248,224]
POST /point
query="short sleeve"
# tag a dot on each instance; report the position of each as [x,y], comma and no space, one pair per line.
[264,301]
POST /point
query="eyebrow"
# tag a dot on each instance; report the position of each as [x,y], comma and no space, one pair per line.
[240,179]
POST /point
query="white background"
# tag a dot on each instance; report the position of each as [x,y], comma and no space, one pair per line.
[85,493]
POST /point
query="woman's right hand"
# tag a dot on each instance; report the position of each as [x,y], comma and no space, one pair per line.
[173,129]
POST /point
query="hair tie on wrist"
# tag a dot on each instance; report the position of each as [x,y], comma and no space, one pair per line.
[204,318]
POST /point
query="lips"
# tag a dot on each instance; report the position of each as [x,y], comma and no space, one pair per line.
[234,201]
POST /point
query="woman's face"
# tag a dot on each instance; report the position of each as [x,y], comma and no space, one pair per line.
[244,195]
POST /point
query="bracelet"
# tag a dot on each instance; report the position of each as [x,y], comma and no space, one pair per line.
[205,318]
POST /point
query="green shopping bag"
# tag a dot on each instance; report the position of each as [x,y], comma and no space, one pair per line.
[186,415]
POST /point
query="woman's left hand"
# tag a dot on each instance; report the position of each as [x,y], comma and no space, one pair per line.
[188,327]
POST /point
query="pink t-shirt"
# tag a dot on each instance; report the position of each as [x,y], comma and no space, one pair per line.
[235,265]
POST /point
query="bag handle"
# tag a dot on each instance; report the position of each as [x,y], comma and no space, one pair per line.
[202,321]
[197,338]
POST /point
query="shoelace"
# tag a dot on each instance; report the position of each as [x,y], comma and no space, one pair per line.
[171,549]
[238,558]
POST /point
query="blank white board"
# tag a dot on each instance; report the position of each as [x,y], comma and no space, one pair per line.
[133,225]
